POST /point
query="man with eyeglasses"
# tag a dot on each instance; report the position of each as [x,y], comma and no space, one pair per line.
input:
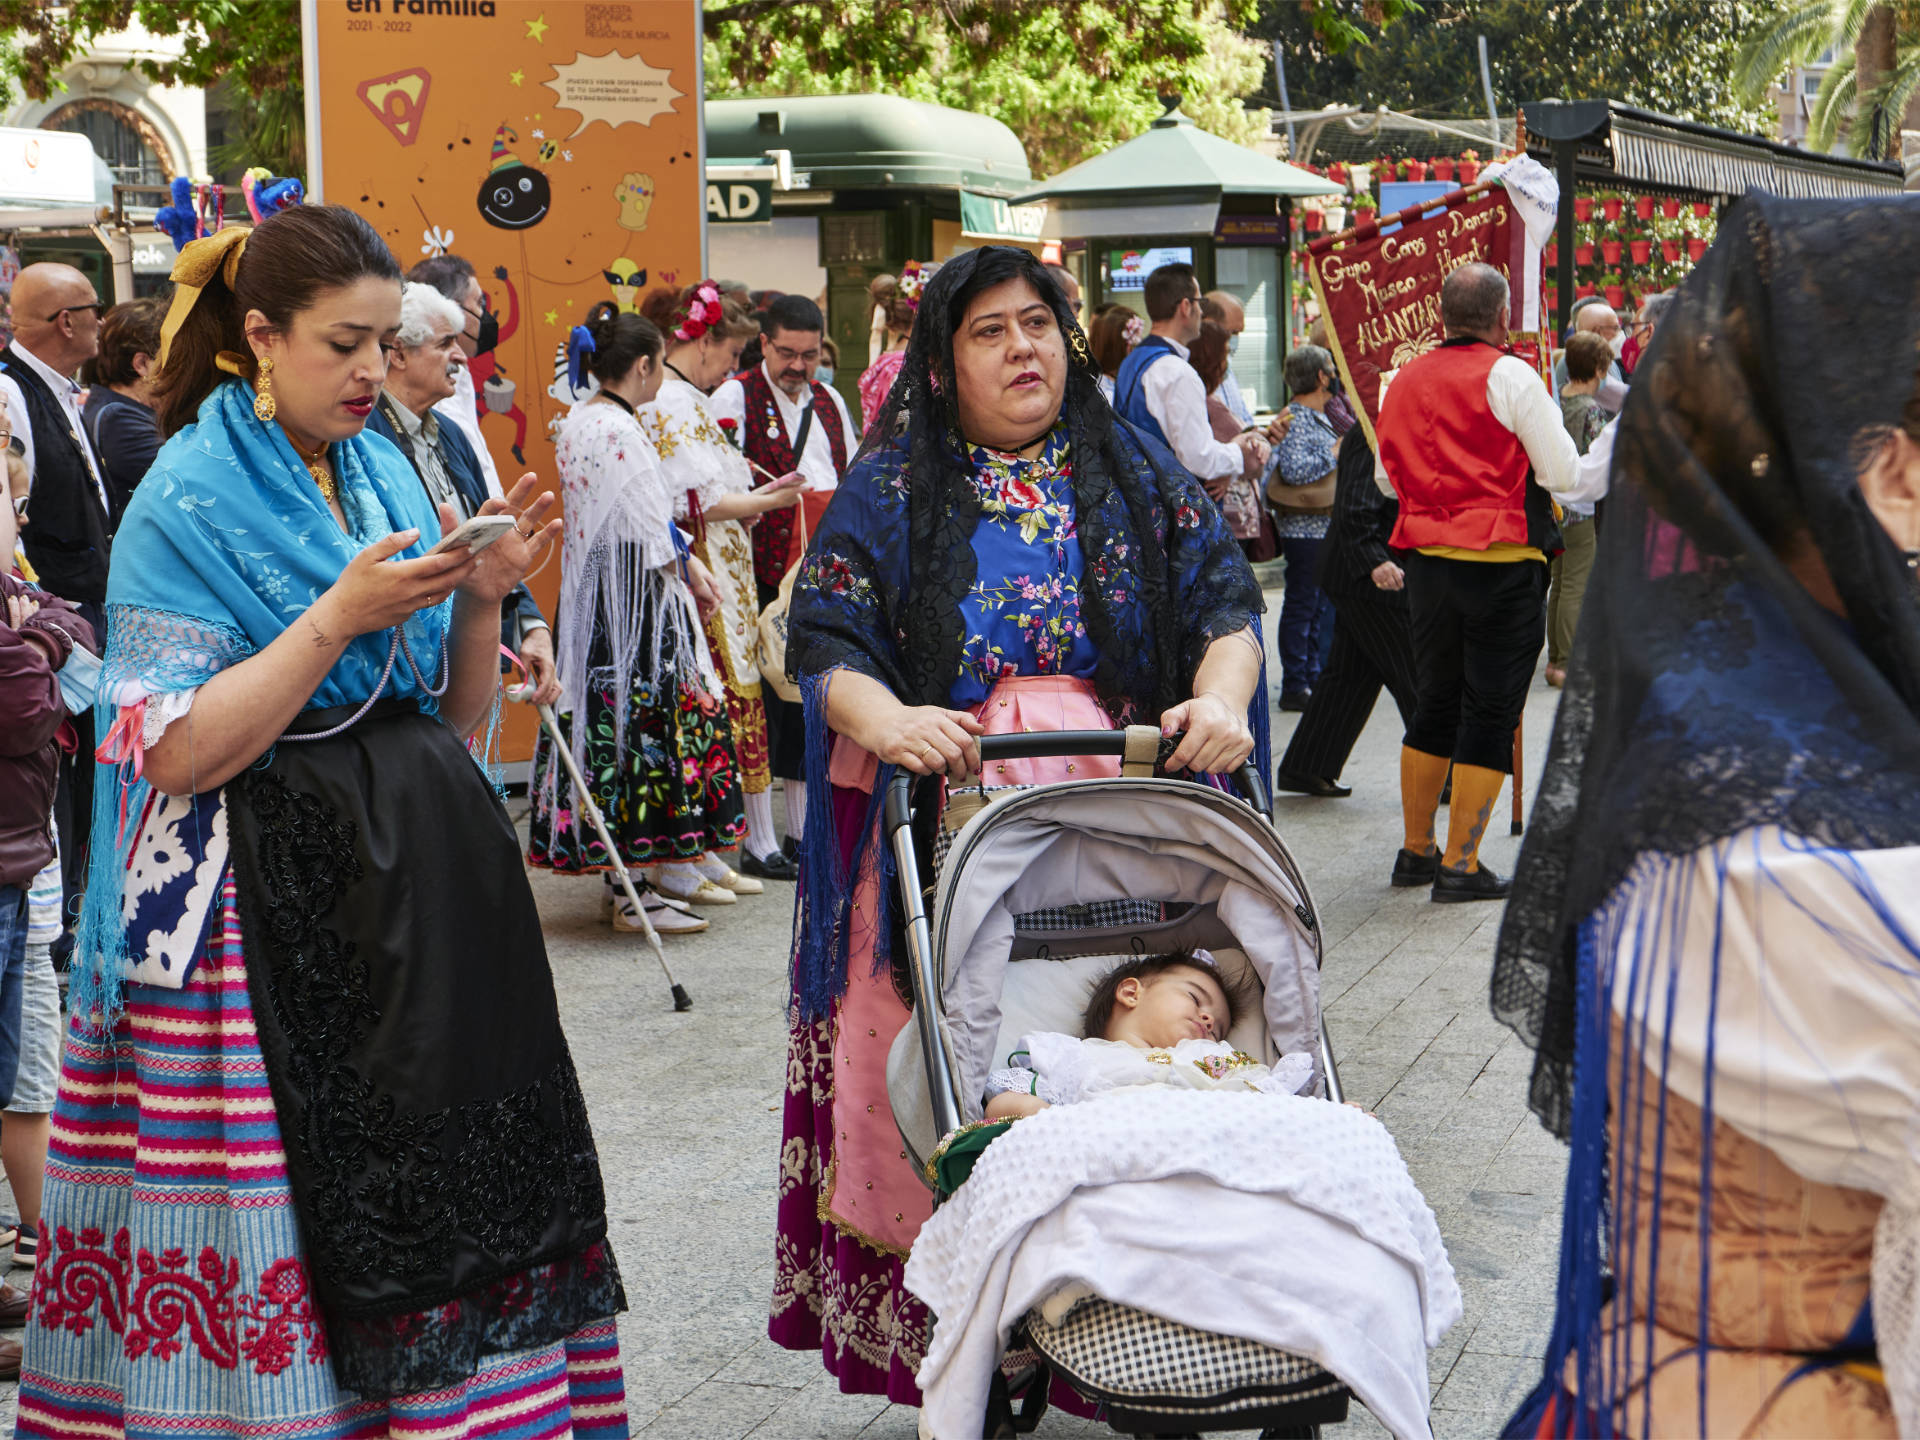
[786,421]
[453,276]
[56,328]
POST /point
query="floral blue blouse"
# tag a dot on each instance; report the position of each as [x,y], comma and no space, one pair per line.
[1309,452]
[1022,615]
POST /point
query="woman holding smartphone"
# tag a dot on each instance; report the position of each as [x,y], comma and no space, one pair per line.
[320,1162]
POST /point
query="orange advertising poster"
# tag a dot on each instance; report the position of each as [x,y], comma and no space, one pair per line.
[554,144]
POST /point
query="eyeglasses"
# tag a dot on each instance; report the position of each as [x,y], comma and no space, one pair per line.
[70,309]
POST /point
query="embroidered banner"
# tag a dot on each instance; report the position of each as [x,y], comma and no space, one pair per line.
[1380,294]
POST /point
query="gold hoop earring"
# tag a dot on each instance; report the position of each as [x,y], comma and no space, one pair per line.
[263,407]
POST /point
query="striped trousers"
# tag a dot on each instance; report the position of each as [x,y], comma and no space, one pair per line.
[1372,647]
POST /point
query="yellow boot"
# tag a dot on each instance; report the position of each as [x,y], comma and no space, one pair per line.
[1422,777]
[1476,790]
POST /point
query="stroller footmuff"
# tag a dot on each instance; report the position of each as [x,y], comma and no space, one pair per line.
[1042,891]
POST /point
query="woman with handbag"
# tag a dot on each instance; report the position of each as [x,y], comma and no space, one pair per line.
[1302,490]
[320,1164]
[643,709]
[714,499]
[1004,554]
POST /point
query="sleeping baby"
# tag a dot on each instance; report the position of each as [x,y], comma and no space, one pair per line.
[1157,1020]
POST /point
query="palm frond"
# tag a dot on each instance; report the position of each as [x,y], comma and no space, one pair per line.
[1837,92]
[1893,95]
[1795,36]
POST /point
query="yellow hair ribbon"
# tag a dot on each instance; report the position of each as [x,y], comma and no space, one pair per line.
[193,268]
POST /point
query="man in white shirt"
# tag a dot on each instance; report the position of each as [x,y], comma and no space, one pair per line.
[56,318]
[1474,446]
[454,278]
[786,421]
[1230,315]
[1158,391]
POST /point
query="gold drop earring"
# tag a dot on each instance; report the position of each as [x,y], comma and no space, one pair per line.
[263,407]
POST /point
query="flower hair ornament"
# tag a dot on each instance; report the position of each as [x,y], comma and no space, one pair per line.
[702,314]
[1135,331]
[579,347]
[912,281]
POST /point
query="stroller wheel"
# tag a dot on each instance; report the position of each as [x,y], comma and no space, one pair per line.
[1291,1432]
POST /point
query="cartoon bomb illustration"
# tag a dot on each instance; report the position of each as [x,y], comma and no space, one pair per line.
[514,196]
[634,196]
[625,278]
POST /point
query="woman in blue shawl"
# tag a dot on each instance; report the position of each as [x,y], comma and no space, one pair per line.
[320,1163]
[1004,554]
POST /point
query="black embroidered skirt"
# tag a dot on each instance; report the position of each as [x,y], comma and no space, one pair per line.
[437,1143]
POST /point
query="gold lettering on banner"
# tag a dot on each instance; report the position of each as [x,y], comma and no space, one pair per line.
[1333,273]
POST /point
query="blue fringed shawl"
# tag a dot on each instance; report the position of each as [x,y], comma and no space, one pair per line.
[225,544]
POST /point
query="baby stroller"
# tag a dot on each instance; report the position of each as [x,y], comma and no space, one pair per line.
[1042,891]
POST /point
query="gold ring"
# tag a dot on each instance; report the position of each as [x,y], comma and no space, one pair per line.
[929,749]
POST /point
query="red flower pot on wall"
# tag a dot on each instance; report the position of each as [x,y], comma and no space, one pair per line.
[1581,292]
[1610,251]
[1702,208]
[1469,171]
[1643,206]
[1696,247]
[1670,208]
[1416,169]
[1553,255]
[1670,250]
[1583,208]
[1642,251]
[1616,296]
[1583,253]
[1443,168]
[1610,207]
[1314,221]
[1338,172]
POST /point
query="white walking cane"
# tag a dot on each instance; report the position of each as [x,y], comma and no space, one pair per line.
[584,798]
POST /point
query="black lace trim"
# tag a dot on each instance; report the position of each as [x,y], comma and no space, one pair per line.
[401,1194]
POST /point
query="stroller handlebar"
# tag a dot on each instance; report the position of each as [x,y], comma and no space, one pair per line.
[1034,744]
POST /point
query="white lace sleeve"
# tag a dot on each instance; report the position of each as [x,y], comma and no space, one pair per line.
[162,711]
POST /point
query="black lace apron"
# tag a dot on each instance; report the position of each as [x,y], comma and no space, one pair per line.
[442,1168]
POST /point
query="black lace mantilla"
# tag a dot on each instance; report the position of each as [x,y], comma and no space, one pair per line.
[435,1235]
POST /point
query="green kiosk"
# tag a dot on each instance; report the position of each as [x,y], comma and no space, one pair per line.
[867,182]
[1177,193]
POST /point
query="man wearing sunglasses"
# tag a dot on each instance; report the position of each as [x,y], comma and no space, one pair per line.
[56,327]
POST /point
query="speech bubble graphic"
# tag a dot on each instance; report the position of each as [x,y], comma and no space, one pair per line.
[613,89]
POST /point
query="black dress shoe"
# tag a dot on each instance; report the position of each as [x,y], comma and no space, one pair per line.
[775,867]
[1451,886]
[1410,869]
[1295,699]
[790,848]
[1310,785]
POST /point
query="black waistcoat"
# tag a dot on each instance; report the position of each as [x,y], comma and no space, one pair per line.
[66,536]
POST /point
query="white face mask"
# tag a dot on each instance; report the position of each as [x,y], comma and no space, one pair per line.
[1617,343]
[1233,342]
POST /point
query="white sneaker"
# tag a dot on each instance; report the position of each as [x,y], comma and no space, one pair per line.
[667,919]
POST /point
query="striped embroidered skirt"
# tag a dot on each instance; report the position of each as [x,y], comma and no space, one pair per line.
[172,1298]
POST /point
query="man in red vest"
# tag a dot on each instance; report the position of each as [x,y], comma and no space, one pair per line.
[1472,442]
[786,421]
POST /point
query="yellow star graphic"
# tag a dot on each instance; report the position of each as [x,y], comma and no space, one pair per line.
[537,28]
[553,317]
[516,76]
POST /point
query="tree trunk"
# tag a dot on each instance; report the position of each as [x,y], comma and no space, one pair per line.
[1875,136]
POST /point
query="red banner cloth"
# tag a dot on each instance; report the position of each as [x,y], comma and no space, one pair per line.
[1380,294]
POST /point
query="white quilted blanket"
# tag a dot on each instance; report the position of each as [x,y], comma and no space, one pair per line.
[1282,1219]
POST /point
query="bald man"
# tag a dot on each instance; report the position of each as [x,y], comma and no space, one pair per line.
[56,327]
[1596,317]
[1228,313]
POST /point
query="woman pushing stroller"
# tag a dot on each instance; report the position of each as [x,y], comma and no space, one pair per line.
[1004,555]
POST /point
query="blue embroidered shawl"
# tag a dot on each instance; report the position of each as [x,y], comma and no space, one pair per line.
[225,543]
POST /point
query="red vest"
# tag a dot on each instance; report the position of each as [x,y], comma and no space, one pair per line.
[1460,474]
[768,445]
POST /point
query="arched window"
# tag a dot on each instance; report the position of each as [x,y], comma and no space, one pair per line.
[121,136]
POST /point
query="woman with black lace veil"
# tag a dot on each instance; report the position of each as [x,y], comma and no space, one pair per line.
[1713,940]
[1004,554]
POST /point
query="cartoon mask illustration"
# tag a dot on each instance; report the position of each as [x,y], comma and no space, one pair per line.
[634,194]
[514,196]
[626,278]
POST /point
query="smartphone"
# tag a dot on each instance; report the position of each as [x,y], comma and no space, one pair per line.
[476,534]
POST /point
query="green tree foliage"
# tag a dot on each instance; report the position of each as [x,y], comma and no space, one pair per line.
[1070,77]
[1674,56]
[253,45]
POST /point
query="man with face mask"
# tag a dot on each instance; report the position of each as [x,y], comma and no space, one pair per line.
[1230,315]
[422,368]
[1594,316]
[453,277]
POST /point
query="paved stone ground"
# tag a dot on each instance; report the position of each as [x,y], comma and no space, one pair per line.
[686,1109]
